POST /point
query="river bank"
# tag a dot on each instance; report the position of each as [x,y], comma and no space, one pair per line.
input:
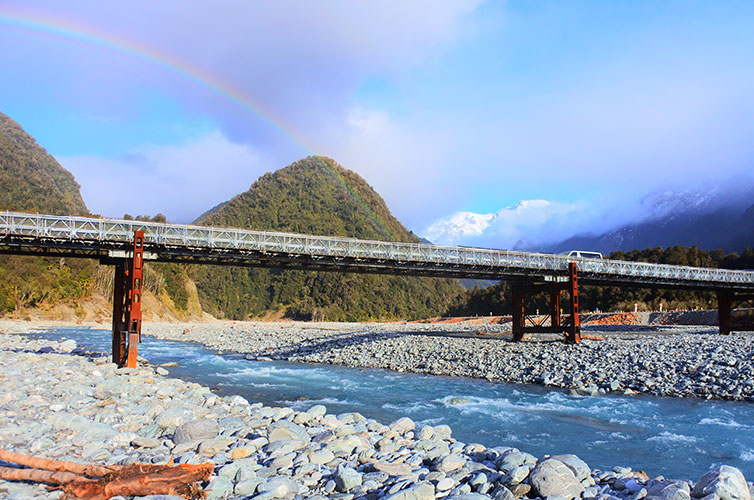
[62,403]
[681,361]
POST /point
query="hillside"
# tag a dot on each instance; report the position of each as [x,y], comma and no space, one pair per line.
[316,196]
[31,180]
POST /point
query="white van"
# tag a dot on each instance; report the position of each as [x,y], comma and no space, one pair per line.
[583,254]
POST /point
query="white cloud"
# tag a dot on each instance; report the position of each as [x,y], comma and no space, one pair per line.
[153,178]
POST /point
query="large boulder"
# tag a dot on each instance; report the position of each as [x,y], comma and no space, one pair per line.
[726,482]
[580,469]
[552,477]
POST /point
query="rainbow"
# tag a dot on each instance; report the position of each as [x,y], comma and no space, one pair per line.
[61,29]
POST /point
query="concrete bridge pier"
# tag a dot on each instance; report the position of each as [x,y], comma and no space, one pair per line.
[522,292]
[127,304]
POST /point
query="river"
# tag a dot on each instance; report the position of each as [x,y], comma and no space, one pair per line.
[674,437]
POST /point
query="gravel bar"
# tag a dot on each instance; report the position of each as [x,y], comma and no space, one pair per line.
[684,361]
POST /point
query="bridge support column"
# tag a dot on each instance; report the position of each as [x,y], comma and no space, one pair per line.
[127,305]
[574,329]
[522,292]
[726,302]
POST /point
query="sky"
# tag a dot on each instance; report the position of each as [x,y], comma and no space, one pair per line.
[493,123]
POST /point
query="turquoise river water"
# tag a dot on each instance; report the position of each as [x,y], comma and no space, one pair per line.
[675,437]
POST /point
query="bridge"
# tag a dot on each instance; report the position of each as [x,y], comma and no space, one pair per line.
[126,244]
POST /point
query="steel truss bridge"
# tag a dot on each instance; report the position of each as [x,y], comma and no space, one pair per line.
[123,242]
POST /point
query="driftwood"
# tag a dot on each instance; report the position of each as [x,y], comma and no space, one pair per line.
[94,482]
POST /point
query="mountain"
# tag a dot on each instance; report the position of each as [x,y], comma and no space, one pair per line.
[31,179]
[316,196]
[721,217]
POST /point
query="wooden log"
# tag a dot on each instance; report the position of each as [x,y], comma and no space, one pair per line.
[87,470]
[41,476]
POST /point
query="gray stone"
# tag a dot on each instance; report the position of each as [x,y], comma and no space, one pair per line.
[219,487]
[579,468]
[94,432]
[278,486]
[393,469]
[67,345]
[553,478]
[451,463]
[146,442]
[664,491]
[196,430]
[421,491]
[445,484]
[468,496]
[512,459]
[347,479]
[285,430]
[247,487]
[517,475]
[725,482]
[323,456]
[403,425]
[173,417]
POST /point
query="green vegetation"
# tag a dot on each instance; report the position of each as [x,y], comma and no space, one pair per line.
[496,299]
[33,181]
[316,196]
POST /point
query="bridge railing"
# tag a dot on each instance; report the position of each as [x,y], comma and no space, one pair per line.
[113,231]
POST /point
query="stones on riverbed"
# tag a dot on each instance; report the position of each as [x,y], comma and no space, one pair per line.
[451,463]
[285,430]
[196,430]
[552,477]
[347,479]
[724,482]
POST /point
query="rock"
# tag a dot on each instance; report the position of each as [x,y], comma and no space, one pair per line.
[579,468]
[278,486]
[317,411]
[421,491]
[517,475]
[145,442]
[347,479]
[552,477]
[321,457]
[94,433]
[393,469]
[445,484]
[173,417]
[247,487]
[403,425]
[512,459]
[725,482]
[196,430]
[67,345]
[162,371]
[451,462]
[284,430]
[468,496]
[219,487]
[664,491]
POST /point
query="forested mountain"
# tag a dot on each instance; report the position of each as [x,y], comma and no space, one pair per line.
[33,181]
[316,196]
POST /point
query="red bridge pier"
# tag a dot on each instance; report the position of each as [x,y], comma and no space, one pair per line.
[521,293]
[127,305]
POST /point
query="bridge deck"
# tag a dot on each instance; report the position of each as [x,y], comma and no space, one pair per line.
[105,239]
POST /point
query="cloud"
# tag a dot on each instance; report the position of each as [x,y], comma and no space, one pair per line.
[153,179]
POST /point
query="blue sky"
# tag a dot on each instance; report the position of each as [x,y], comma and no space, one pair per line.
[479,122]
